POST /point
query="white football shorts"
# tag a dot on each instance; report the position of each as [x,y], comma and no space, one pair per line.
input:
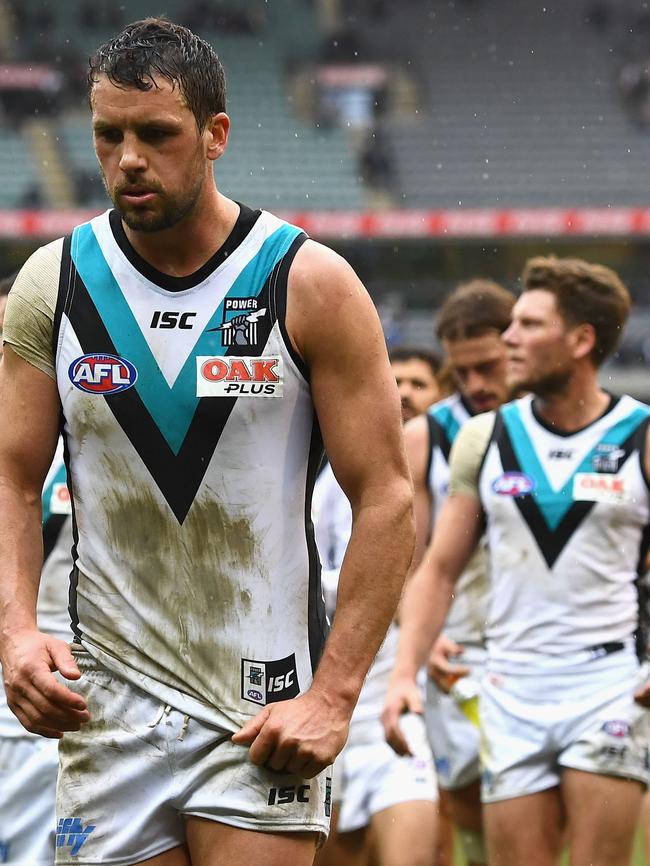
[132,774]
[453,734]
[370,777]
[28,769]
[535,724]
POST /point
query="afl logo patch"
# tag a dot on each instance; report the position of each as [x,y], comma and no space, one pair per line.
[513,484]
[102,374]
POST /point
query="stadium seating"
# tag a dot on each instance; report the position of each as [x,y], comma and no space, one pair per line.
[519,106]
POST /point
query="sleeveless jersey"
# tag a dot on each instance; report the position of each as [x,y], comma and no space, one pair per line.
[467,616]
[333,527]
[566,518]
[52,604]
[192,446]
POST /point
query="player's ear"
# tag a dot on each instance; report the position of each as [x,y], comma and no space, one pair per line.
[216,135]
[583,340]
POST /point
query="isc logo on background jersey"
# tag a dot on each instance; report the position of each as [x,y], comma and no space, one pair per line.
[231,376]
[102,374]
[513,484]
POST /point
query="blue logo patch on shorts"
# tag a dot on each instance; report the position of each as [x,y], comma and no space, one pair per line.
[4,851]
[70,833]
[616,728]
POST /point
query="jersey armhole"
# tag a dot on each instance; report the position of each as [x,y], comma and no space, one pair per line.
[642,440]
[278,298]
[497,429]
[63,295]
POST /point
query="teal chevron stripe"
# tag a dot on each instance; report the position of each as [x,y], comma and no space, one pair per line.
[555,504]
[444,416]
[60,477]
[172,409]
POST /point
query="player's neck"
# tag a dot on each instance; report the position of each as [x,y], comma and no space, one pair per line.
[184,248]
[579,403]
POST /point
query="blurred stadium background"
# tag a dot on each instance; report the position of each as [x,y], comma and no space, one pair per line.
[429,141]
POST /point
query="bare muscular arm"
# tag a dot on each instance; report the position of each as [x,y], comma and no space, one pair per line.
[28,434]
[335,329]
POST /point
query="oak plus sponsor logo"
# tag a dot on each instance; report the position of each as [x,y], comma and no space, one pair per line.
[596,487]
[102,374]
[71,833]
[513,484]
[264,682]
[236,376]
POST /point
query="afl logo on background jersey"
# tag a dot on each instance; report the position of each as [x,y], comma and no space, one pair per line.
[513,484]
[102,374]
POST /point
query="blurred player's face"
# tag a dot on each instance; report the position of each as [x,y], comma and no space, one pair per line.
[418,387]
[153,159]
[541,347]
[478,365]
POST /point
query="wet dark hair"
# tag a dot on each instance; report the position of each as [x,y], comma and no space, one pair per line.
[416,353]
[156,47]
[474,309]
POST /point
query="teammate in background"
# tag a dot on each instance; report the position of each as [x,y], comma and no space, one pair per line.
[383,805]
[469,327]
[29,763]
[196,602]
[416,372]
[560,476]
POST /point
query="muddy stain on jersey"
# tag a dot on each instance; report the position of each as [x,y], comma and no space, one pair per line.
[193,576]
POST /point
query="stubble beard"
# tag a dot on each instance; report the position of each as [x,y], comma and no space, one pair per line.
[171,212]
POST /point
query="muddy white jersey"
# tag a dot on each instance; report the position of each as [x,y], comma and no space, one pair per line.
[52,605]
[193,447]
[333,527]
[467,616]
[566,516]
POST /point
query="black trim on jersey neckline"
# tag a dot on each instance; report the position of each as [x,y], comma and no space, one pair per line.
[557,431]
[245,222]
[551,542]
[178,476]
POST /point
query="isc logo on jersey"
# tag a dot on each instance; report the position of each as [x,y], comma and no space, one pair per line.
[232,376]
[513,484]
[102,374]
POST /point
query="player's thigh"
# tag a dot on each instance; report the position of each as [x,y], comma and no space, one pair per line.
[602,814]
[214,844]
[464,806]
[444,847]
[404,834]
[175,857]
[645,824]
[525,830]
[343,849]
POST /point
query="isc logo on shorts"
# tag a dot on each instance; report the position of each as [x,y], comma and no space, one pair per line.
[102,374]
[231,376]
[513,484]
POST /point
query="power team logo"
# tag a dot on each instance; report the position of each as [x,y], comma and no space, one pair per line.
[513,484]
[240,318]
[268,682]
[231,376]
[70,833]
[102,374]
